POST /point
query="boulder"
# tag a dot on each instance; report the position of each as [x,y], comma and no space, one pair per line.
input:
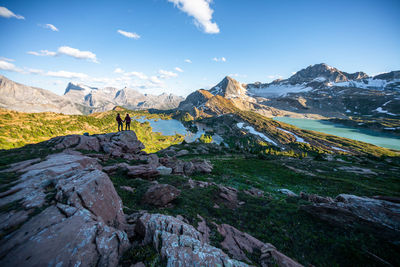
[239,245]
[142,171]
[69,214]
[315,198]
[379,217]
[228,195]
[55,238]
[180,244]
[161,194]
[180,167]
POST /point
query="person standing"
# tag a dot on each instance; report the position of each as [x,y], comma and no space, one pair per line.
[120,124]
[127,122]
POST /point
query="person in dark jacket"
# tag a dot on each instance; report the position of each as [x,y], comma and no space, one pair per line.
[120,124]
[127,122]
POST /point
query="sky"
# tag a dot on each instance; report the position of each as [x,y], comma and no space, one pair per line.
[178,46]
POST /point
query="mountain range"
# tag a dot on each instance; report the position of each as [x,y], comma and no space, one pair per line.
[79,99]
[314,92]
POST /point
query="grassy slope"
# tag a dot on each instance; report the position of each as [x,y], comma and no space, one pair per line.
[18,129]
[275,218]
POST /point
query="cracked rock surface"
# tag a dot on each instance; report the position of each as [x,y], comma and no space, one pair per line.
[67,213]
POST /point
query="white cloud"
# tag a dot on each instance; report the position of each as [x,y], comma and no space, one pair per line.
[131,35]
[136,74]
[7,59]
[201,12]
[78,54]
[42,53]
[155,80]
[118,70]
[4,65]
[67,74]
[6,13]
[179,69]
[188,61]
[221,59]
[51,27]
[68,51]
[164,74]
[35,71]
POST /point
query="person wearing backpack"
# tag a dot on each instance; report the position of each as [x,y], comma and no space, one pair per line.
[127,122]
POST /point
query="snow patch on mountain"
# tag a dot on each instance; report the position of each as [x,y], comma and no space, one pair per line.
[381,110]
[254,132]
[298,139]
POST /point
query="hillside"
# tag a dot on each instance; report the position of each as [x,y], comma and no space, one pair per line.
[282,209]
[18,129]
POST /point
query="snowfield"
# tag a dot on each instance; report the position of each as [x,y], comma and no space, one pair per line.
[369,83]
[277,90]
[253,131]
[298,139]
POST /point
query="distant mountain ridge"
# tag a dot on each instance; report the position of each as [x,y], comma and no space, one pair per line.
[315,91]
[79,99]
[19,97]
[102,99]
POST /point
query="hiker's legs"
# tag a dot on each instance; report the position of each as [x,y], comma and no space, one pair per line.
[120,126]
[128,126]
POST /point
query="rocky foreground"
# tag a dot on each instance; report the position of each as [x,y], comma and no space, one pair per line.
[63,210]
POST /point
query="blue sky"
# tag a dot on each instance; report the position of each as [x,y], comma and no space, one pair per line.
[49,43]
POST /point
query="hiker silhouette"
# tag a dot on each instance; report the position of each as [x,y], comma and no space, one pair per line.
[120,124]
[127,121]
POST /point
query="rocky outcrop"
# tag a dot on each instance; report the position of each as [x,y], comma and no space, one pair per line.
[180,244]
[120,145]
[377,216]
[160,194]
[188,168]
[239,245]
[315,198]
[63,211]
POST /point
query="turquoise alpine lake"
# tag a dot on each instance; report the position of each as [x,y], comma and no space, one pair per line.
[172,127]
[364,135]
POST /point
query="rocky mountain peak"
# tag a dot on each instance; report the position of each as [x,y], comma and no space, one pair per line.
[322,72]
[229,88]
